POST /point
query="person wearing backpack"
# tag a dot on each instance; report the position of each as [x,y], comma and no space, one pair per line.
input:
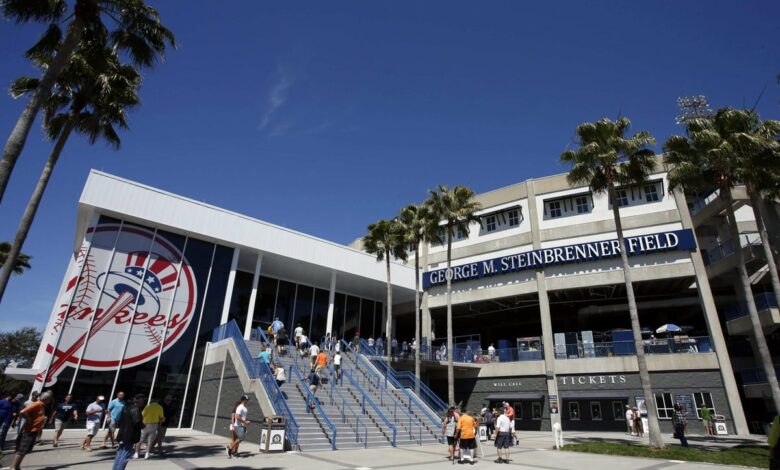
[129,428]
[449,426]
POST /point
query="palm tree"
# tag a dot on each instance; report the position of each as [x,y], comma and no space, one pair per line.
[607,157]
[22,260]
[130,26]
[91,96]
[713,154]
[385,239]
[418,227]
[457,208]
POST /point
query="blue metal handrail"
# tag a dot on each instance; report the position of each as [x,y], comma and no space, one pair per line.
[346,408]
[256,369]
[365,399]
[262,335]
[428,396]
[310,398]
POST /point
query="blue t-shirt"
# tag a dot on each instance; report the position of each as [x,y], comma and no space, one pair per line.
[7,410]
[115,407]
[276,326]
[265,356]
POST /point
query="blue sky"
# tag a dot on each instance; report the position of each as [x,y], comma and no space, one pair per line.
[326,116]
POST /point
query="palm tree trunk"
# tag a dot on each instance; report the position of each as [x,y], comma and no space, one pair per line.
[744,281]
[654,431]
[32,207]
[758,213]
[417,318]
[450,351]
[389,324]
[15,143]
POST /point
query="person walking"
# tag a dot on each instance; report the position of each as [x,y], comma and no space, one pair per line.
[337,366]
[232,427]
[314,351]
[63,414]
[680,424]
[467,434]
[321,363]
[639,426]
[240,422]
[167,421]
[630,420]
[128,431]
[706,420]
[153,416]
[281,341]
[491,353]
[265,356]
[94,413]
[449,426]
[356,342]
[489,422]
[297,333]
[34,419]
[510,411]
[503,438]
[115,408]
[774,444]
[9,409]
[280,375]
[314,382]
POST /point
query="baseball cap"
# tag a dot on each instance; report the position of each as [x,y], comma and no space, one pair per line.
[245,397]
[101,397]
[19,396]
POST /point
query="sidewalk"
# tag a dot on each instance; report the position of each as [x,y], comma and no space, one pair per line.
[192,449]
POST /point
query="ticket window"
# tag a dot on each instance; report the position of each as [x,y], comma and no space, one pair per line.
[518,406]
[574,410]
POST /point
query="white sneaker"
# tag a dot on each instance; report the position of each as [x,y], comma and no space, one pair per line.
[146,457]
[135,456]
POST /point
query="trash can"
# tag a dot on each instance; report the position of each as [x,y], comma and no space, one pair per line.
[272,434]
[719,422]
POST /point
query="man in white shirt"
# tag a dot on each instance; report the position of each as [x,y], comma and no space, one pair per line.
[94,416]
[630,420]
[297,334]
[491,352]
[314,350]
[503,438]
[337,366]
[240,422]
[303,343]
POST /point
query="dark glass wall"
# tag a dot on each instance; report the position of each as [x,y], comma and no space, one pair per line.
[265,303]
[319,317]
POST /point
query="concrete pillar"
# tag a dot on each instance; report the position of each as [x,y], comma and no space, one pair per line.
[713,325]
[250,313]
[544,307]
[426,325]
[229,288]
[331,301]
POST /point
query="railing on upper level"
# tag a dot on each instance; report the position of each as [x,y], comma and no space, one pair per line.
[728,247]
[703,201]
[693,344]
[366,400]
[313,404]
[756,375]
[763,301]
[257,369]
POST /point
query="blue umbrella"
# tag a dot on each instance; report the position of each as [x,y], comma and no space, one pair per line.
[668,328]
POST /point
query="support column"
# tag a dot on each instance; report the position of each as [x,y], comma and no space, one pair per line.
[250,312]
[544,310]
[425,313]
[713,325]
[331,301]
[229,289]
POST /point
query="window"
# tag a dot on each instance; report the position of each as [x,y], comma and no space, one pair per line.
[582,204]
[518,406]
[664,405]
[595,410]
[651,193]
[460,233]
[703,399]
[555,209]
[617,411]
[574,410]
[536,411]
[514,218]
[490,223]
[622,197]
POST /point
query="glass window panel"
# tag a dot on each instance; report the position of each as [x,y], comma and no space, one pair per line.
[351,317]
[303,303]
[239,299]
[366,318]
[379,328]
[264,305]
[285,301]
[319,314]
[338,315]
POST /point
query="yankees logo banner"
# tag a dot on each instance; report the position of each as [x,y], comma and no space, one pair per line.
[122,304]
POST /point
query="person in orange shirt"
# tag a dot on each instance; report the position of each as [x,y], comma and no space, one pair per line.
[467,430]
[322,361]
[34,420]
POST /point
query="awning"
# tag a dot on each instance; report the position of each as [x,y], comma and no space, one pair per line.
[584,395]
[515,396]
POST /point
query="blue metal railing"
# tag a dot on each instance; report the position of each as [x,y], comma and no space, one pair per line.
[337,398]
[756,375]
[693,344]
[262,335]
[763,301]
[366,400]
[311,401]
[401,379]
[256,369]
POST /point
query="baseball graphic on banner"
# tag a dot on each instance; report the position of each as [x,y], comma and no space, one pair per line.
[134,294]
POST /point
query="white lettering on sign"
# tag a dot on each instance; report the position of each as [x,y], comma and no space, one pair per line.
[592,379]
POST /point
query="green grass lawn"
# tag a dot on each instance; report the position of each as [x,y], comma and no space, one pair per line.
[751,456]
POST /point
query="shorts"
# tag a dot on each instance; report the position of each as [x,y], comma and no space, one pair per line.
[450,440]
[92,427]
[111,425]
[280,382]
[240,431]
[468,443]
[60,425]
[504,440]
[313,388]
[149,431]
[161,433]
[26,443]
